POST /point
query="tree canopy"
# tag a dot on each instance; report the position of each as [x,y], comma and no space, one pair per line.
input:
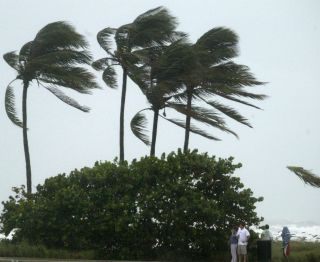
[179,204]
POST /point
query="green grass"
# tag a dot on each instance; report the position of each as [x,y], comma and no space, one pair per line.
[25,250]
[300,252]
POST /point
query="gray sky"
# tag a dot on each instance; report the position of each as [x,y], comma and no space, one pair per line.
[279,41]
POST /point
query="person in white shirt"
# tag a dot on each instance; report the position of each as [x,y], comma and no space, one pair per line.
[243,237]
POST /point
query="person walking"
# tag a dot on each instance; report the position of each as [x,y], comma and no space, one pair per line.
[243,237]
[233,244]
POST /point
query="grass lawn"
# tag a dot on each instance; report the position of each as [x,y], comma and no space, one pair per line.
[300,251]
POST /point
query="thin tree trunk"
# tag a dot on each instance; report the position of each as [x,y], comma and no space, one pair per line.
[154,132]
[188,121]
[25,137]
[123,101]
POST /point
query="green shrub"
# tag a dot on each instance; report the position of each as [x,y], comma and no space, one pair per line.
[180,205]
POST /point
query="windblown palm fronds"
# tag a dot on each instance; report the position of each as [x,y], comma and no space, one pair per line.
[53,60]
[149,30]
[306,176]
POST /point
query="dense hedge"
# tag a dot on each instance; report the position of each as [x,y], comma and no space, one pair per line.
[180,205]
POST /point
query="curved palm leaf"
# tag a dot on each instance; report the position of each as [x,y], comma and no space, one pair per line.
[205,116]
[25,51]
[217,45]
[63,58]
[109,76]
[10,106]
[193,128]
[230,112]
[104,39]
[12,60]
[154,26]
[56,36]
[66,99]
[138,123]
[101,64]
[232,98]
[305,175]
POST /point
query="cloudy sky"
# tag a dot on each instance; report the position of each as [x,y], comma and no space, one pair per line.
[279,41]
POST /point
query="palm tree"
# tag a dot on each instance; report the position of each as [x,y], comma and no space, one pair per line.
[306,176]
[159,79]
[214,74]
[52,60]
[154,27]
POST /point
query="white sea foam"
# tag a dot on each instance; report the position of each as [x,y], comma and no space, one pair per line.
[306,233]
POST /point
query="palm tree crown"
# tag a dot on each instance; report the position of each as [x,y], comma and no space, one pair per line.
[52,60]
[152,28]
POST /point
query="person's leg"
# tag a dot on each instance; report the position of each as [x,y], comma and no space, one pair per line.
[234,253]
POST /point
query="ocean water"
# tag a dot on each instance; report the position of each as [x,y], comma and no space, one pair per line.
[299,232]
[308,233]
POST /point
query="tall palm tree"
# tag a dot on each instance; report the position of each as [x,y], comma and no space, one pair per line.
[154,27]
[214,74]
[306,176]
[51,60]
[159,78]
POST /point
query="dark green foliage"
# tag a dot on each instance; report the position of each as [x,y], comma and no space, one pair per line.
[181,205]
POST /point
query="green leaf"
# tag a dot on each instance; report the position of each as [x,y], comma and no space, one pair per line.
[138,127]
[12,59]
[109,76]
[193,129]
[104,39]
[306,176]
[10,106]
[230,112]
[66,99]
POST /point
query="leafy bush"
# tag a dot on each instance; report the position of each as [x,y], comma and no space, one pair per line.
[180,205]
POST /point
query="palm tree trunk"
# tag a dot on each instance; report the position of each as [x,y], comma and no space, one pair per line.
[25,137]
[154,132]
[188,121]
[123,101]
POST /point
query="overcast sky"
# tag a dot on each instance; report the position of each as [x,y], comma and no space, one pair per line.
[279,41]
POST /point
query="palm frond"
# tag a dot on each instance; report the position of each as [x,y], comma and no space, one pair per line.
[25,51]
[205,116]
[100,64]
[66,99]
[232,98]
[109,76]
[198,113]
[138,127]
[63,57]
[193,128]
[217,45]
[10,106]
[12,60]
[57,36]
[230,112]
[104,39]
[76,78]
[232,75]
[154,26]
[306,176]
